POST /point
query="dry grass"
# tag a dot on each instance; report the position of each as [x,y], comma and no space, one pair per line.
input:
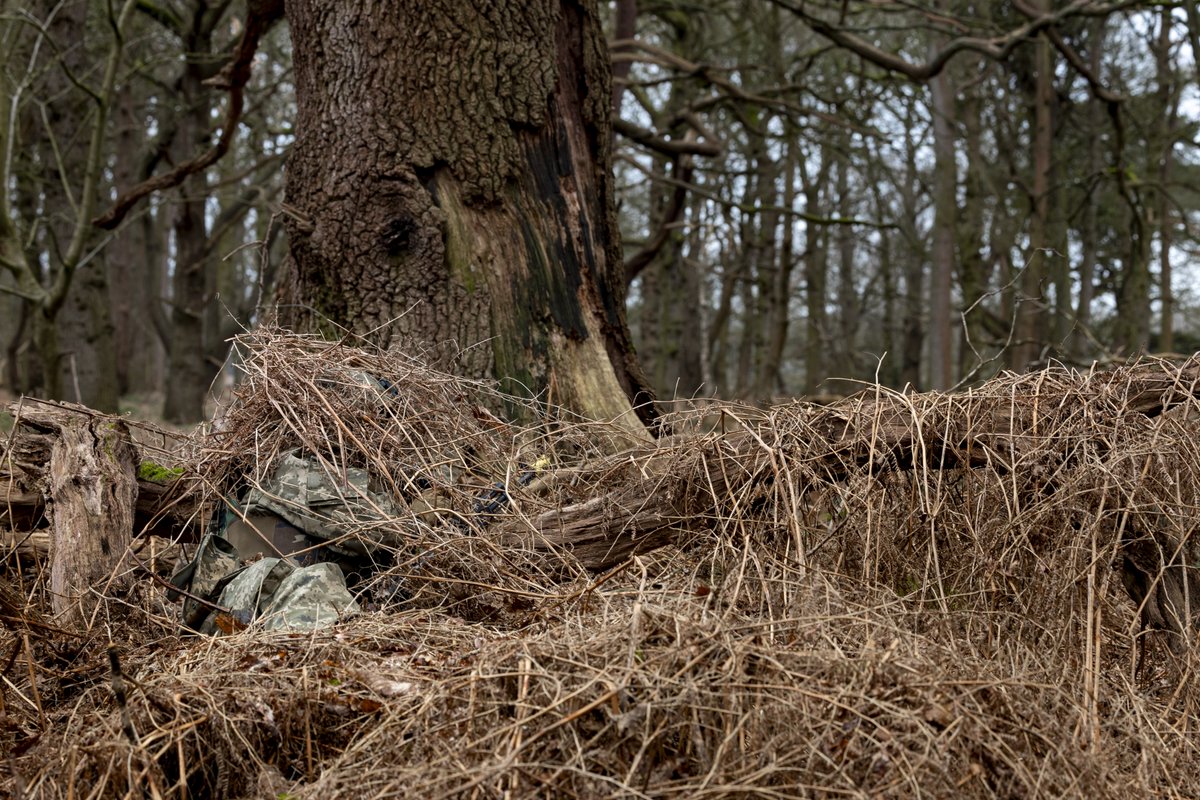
[893,596]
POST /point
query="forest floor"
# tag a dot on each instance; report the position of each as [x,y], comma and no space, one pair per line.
[893,595]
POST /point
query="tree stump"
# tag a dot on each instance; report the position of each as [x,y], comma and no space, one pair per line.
[163,507]
[92,488]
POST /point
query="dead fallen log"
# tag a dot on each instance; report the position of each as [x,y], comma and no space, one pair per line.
[34,545]
[649,496]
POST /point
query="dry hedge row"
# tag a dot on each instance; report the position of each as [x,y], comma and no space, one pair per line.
[900,595]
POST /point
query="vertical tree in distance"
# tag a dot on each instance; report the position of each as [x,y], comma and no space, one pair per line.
[450,182]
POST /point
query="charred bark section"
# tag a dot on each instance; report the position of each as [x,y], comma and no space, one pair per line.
[451,184]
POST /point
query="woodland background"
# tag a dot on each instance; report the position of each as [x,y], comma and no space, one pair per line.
[803,194]
[948,594]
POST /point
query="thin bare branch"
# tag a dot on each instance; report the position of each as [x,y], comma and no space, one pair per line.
[260,17]
[670,147]
[995,47]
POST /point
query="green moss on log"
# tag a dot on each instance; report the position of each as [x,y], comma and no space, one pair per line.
[157,473]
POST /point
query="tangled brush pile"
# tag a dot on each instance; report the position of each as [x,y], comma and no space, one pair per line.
[987,594]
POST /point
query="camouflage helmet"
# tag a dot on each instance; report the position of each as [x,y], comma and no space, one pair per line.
[339,508]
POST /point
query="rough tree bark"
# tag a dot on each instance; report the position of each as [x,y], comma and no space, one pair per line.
[450,182]
[92,487]
[160,508]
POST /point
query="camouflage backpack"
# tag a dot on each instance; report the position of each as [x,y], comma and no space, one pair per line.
[311,528]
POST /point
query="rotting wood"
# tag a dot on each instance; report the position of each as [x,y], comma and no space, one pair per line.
[161,508]
[91,487]
[35,545]
[69,493]
[27,544]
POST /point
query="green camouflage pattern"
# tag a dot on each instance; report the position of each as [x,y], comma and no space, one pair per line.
[309,598]
[309,525]
[280,596]
[215,560]
[312,528]
[342,510]
[265,534]
[303,530]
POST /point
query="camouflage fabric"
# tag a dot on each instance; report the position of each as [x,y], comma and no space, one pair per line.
[309,598]
[215,561]
[311,530]
[265,534]
[344,512]
[282,596]
[310,527]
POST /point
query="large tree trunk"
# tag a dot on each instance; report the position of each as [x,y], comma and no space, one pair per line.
[87,355]
[192,285]
[1164,143]
[450,183]
[816,269]
[779,298]
[850,304]
[973,271]
[131,259]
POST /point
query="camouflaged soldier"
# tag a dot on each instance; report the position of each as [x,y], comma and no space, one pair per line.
[307,514]
[310,532]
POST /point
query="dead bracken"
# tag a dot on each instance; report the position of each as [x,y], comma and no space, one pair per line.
[980,594]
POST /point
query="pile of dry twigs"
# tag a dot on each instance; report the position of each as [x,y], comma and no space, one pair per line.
[978,594]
